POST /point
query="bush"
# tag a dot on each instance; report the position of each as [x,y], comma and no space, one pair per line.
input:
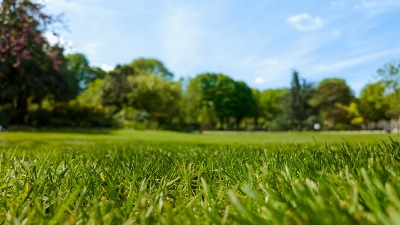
[39,118]
[70,115]
[6,114]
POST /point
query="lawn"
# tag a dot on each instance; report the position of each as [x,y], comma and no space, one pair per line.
[103,136]
[154,177]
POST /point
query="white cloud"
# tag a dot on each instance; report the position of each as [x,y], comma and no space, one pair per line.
[54,39]
[106,67]
[259,80]
[305,22]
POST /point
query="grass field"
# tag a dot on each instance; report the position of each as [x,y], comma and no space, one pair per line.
[153,177]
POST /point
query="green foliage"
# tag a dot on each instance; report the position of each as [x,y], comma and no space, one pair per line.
[78,66]
[373,102]
[30,66]
[353,112]
[171,183]
[229,99]
[330,93]
[116,88]
[298,110]
[93,94]
[271,108]
[390,75]
[151,66]
[243,102]
[158,97]
[70,115]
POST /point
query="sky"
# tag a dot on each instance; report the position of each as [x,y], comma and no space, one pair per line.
[260,42]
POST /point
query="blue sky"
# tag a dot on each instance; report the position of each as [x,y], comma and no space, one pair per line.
[257,41]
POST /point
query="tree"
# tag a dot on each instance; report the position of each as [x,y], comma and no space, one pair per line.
[92,96]
[330,93]
[353,113]
[217,92]
[257,112]
[150,66]
[373,103]
[78,65]
[243,102]
[115,88]
[158,97]
[297,108]
[228,98]
[390,75]
[271,107]
[196,112]
[29,68]
[271,102]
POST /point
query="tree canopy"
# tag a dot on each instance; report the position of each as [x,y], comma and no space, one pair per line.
[29,68]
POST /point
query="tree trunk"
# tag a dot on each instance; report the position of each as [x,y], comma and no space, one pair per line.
[21,111]
[255,123]
[238,120]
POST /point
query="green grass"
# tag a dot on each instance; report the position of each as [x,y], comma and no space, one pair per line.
[149,177]
[95,137]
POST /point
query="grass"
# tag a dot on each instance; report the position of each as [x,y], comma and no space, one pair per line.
[132,177]
[95,137]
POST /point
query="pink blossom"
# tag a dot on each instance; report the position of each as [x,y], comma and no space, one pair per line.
[17,63]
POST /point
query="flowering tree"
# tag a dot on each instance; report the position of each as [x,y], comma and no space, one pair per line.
[29,65]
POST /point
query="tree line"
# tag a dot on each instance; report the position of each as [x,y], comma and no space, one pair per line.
[41,86]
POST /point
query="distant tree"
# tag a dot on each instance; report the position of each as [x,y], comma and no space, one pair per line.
[390,75]
[271,102]
[92,96]
[229,99]
[158,97]
[297,108]
[353,113]
[116,88]
[217,91]
[79,67]
[373,103]
[244,103]
[197,113]
[191,103]
[330,93]
[29,68]
[257,112]
[150,66]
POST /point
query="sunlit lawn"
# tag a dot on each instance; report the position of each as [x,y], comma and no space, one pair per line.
[103,136]
[160,177]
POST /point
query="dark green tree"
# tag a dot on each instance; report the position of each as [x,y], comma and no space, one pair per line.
[116,88]
[78,66]
[228,98]
[330,93]
[373,103]
[244,103]
[298,111]
[29,65]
